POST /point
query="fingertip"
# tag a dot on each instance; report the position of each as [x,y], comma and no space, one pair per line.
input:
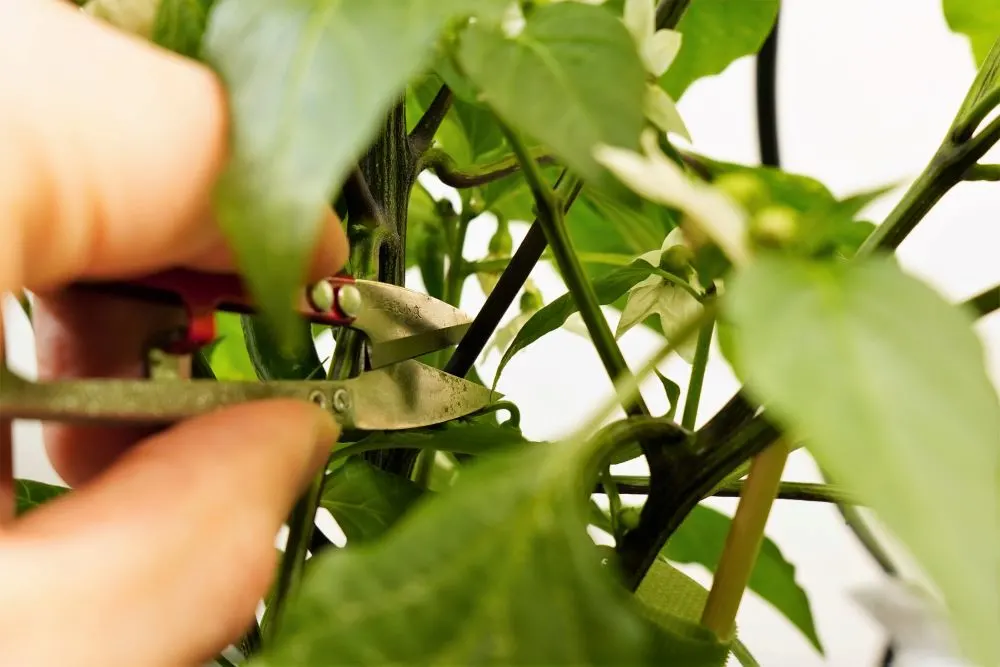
[332,249]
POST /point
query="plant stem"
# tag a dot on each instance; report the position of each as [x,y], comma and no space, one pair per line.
[423,132]
[767,108]
[983,172]
[550,217]
[444,167]
[669,13]
[856,522]
[796,491]
[985,302]
[614,500]
[698,366]
[744,540]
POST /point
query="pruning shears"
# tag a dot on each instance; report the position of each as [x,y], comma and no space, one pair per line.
[397,392]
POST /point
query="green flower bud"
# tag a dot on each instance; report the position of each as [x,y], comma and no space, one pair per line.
[531,299]
[677,260]
[629,518]
[775,226]
[501,244]
[745,189]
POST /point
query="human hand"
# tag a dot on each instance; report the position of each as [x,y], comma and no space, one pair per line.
[110,149]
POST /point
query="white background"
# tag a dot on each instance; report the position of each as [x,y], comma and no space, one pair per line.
[867,89]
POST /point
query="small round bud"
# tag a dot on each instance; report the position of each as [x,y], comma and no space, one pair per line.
[629,518]
[531,301]
[501,243]
[677,260]
[746,190]
[775,226]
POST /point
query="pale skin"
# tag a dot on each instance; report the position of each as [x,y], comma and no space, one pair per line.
[109,149]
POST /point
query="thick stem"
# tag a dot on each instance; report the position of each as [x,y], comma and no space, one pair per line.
[743,542]
[985,302]
[698,366]
[550,217]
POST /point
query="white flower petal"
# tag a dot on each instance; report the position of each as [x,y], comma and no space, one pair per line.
[656,178]
[663,113]
[513,21]
[641,304]
[660,50]
[640,19]
[675,237]
[574,324]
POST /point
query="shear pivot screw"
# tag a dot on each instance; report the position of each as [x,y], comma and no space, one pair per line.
[341,400]
[349,300]
[318,398]
[321,296]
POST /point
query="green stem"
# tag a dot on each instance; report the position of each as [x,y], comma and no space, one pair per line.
[448,172]
[983,172]
[614,500]
[550,217]
[698,367]
[743,542]
[854,520]
[457,271]
[423,469]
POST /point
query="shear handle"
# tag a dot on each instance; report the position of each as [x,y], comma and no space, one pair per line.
[332,301]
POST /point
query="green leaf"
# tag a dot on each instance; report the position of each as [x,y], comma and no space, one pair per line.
[979,20]
[886,384]
[701,538]
[473,436]
[271,361]
[673,391]
[497,570]
[671,596]
[180,24]
[552,80]
[228,357]
[302,114]
[715,34]
[29,494]
[367,501]
[554,315]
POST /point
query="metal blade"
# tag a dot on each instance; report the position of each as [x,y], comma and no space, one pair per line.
[404,395]
[404,324]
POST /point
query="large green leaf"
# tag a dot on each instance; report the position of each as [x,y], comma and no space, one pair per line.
[669,594]
[499,570]
[607,289]
[309,82]
[180,24]
[29,494]
[701,538]
[886,384]
[716,33]
[365,500]
[979,20]
[552,80]
[228,357]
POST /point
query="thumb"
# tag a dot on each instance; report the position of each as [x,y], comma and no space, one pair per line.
[160,560]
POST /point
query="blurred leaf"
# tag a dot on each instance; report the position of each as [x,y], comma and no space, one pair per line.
[886,382]
[180,24]
[670,595]
[365,500]
[979,20]
[702,537]
[715,34]
[29,494]
[301,116]
[272,362]
[229,357]
[497,570]
[554,315]
[551,80]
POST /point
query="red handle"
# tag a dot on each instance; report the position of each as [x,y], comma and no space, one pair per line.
[201,294]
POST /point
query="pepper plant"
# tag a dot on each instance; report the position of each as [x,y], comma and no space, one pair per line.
[468,543]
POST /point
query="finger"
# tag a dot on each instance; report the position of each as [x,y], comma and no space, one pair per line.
[112,148]
[169,551]
[82,335]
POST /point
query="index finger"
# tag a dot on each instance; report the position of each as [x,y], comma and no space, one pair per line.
[112,147]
